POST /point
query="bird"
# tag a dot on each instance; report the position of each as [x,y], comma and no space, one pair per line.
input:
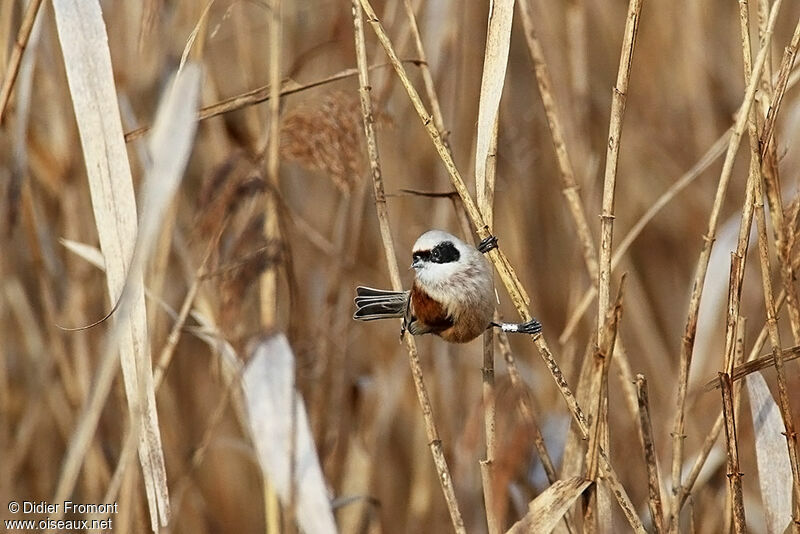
[452,295]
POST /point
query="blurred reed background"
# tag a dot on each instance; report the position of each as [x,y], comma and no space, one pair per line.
[686,85]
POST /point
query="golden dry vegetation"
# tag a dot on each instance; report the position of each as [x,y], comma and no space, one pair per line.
[275,223]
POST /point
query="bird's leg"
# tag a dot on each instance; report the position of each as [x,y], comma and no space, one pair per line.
[487,244]
[530,327]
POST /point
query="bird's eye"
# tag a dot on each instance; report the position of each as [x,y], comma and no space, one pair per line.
[435,255]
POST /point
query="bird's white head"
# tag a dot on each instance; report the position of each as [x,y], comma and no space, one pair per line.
[439,256]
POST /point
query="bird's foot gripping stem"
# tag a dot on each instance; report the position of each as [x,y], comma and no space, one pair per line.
[487,244]
[531,327]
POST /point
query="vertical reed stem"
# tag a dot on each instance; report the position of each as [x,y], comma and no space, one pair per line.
[445,480]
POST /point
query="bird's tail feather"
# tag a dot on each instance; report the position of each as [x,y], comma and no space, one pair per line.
[372,304]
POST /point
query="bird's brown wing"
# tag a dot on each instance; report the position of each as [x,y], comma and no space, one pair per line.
[427,315]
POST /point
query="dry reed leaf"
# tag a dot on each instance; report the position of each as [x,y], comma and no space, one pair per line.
[87,60]
[275,409]
[88,64]
[87,252]
[495,62]
[169,145]
[546,510]
[201,24]
[774,471]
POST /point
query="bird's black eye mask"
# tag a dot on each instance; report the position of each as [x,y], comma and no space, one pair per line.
[445,252]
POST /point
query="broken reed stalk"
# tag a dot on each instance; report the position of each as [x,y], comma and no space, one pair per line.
[650,458]
[569,187]
[787,273]
[677,186]
[597,515]
[787,62]
[769,165]
[763,254]
[501,263]
[738,357]
[716,428]
[612,158]
[687,343]
[606,330]
[739,257]
[777,353]
[437,451]
[734,475]
[15,60]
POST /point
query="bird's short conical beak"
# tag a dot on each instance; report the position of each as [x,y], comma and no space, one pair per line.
[416,264]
